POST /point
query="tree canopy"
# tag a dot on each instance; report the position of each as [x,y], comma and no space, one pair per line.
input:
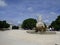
[56,23]
[4,24]
[29,23]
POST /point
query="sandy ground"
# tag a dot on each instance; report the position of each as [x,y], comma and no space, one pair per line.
[21,37]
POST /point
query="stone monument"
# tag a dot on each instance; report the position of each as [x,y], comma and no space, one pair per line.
[40,26]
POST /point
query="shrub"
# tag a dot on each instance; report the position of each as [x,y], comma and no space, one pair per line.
[4,25]
[29,23]
[15,27]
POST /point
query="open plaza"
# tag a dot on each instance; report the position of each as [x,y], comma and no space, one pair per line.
[21,37]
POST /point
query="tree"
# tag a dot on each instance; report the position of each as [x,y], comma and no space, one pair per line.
[15,27]
[29,23]
[56,23]
[4,24]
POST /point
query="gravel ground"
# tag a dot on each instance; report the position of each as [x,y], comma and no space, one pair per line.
[21,37]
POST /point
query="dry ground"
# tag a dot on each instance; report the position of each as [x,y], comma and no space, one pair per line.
[21,37]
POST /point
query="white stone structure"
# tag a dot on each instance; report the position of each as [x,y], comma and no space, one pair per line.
[39,22]
[10,27]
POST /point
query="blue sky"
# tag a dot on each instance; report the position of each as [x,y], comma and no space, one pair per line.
[15,11]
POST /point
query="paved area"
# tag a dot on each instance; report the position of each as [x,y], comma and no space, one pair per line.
[21,37]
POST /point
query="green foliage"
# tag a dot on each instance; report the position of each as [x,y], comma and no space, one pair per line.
[4,24]
[29,23]
[15,27]
[56,23]
[45,25]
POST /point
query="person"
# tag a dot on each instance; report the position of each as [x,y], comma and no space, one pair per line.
[50,28]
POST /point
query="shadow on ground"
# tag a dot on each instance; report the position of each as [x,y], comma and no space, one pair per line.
[47,32]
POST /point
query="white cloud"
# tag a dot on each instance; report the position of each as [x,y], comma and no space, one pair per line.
[46,21]
[38,14]
[18,22]
[30,9]
[48,17]
[52,13]
[2,3]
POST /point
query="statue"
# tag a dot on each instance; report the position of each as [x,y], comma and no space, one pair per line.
[40,26]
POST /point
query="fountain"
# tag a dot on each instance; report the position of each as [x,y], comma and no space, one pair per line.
[40,26]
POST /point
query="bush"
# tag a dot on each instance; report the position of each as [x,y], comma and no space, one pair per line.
[4,25]
[29,23]
[15,27]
